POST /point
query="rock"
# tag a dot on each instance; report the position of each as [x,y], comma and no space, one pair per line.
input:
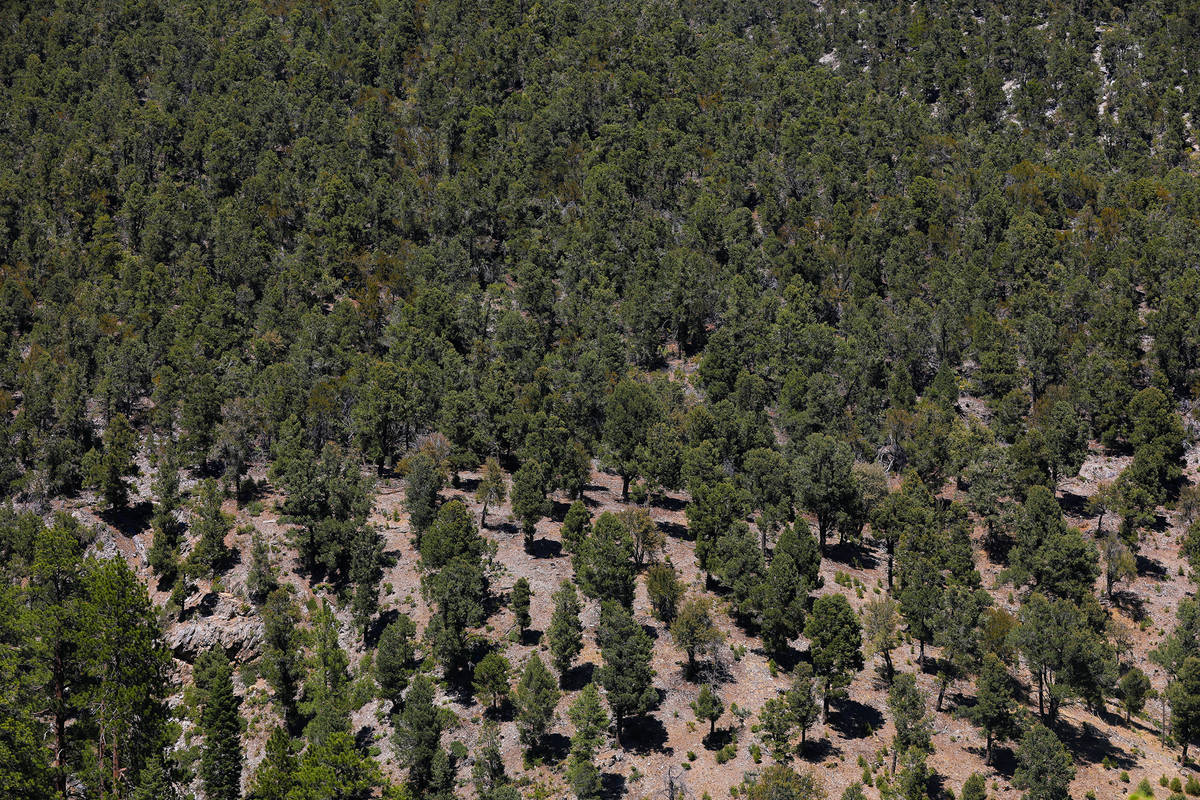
[241,636]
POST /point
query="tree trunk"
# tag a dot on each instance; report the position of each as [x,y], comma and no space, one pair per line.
[483,516]
[624,487]
[1041,695]
[890,555]
[887,663]
[987,748]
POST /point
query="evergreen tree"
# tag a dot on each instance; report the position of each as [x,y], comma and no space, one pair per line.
[881,624]
[536,697]
[211,526]
[281,666]
[488,771]
[1044,767]
[664,590]
[492,679]
[519,602]
[708,706]
[492,489]
[777,724]
[335,770]
[591,723]
[605,563]
[835,640]
[1184,694]
[914,726]
[974,788]
[109,470]
[793,575]
[695,631]
[419,733]
[396,658]
[626,674]
[995,707]
[262,579]
[824,480]
[576,527]
[1134,687]
[326,701]
[529,501]
[422,486]
[221,758]
[565,632]
[277,771]
[164,550]
[801,698]
[629,414]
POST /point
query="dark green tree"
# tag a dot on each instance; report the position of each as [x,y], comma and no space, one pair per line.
[565,631]
[536,697]
[519,603]
[221,758]
[836,645]
[824,480]
[1044,767]
[626,674]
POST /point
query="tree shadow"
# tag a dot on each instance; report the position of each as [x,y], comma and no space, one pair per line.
[129,521]
[718,738]
[1074,504]
[578,676]
[668,503]
[468,485]
[1131,603]
[713,671]
[644,734]
[612,785]
[674,530]
[531,637]
[364,737]
[1151,568]
[855,720]
[819,749]
[558,510]
[786,659]
[1090,745]
[554,747]
[854,554]
[545,548]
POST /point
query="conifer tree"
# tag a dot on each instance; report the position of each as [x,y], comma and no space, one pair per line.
[626,674]
[565,632]
[221,758]
[536,697]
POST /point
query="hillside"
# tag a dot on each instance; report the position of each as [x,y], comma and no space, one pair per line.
[598,399]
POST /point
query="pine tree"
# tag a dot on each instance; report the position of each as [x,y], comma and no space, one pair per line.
[590,721]
[262,578]
[492,679]
[326,692]
[565,632]
[695,631]
[395,658]
[777,724]
[492,489]
[576,527]
[708,706]
[335,770]
[164,550]
[419,733]
[488,771]
[519,601]
[221,758]
[914,726]
[536,697]
[995,707]
[529,502]
[604,564]
[1044,767]
[109,470]
[1134,687]
[881,623]
[1184,694]
[277,771]
[835,640]
[281,666]
[626,674]
[801,697]
[211,526]
[422,487]
[665,590]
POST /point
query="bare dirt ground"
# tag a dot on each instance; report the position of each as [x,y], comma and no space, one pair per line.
[858,729]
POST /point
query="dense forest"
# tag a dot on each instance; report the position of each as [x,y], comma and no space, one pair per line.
[598,399]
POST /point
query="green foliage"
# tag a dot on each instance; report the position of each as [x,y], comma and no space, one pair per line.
[996,708]
[708,706]
[519,602]
[535,697]
[576,527]
[695,630]
[277,771]
[604,565]
[418,733]
[529,501]
[626,674]
[835,640]
[664,590]
[491,681]
[1184,696]
[221,761]
[565,631]
[1044,767]
[108,470]
[395,658]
